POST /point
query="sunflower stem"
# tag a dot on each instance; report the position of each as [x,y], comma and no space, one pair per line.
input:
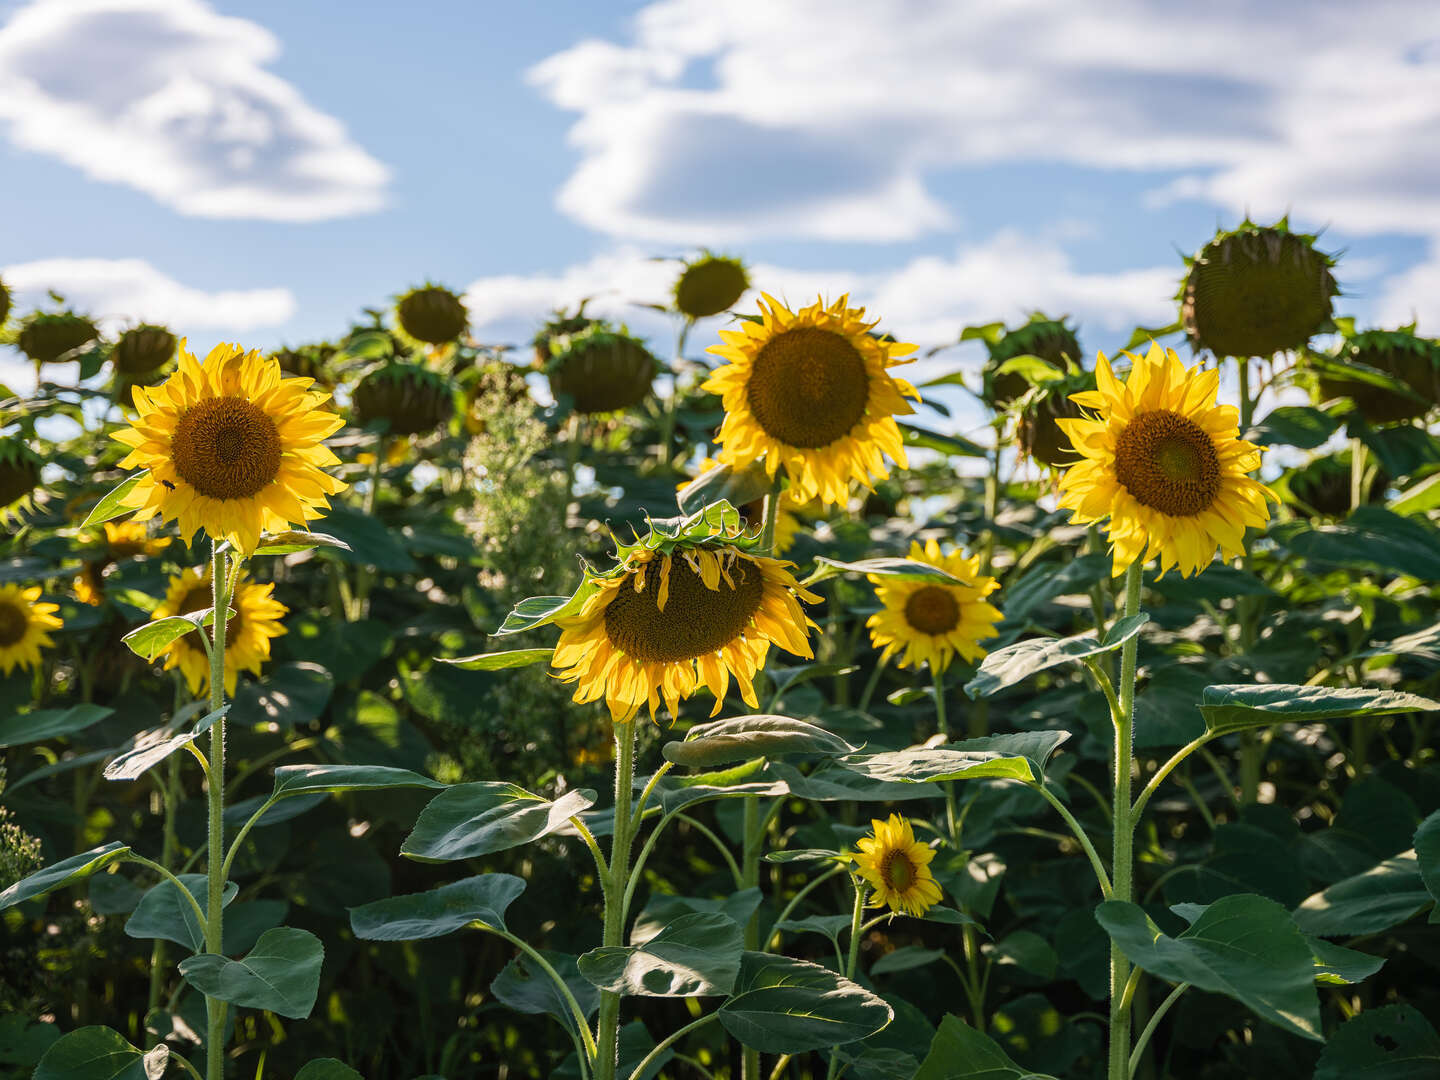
[852,958]
[1357,474]
[750,870]
[363,576]
[667,423]
[215,787]
[1122,860]
[772,515]
[608,1026]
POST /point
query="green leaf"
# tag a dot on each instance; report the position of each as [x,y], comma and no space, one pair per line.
[93,1053]
[287,543]
[697,955]
[366,540]
[300,779]
[294,694]
[889,566]
[149,748]
[65,872]
[23,1041]
[1294,425]
[441,911]
[1011,756]
[112,505]
[946,444]
[164,913]
[724,482]
[1244,946]
[1336,965]
[327,1069]
[280,974]
[743,737]
[1393,1042]
[1427,853]
[662,909]
[485,817]
[834,783]
[1386,895]
[789,855]
[905,959]
[536,611]
[1401,449]
[959,1052]
[1239,706]
[150,640]
[500,661]
[1044,583]
[17,729]
[524,987]
[786,1006]
[1418,497]
[832,926]
[1370,538]
[1015,663]
[109,894]
[1026,950]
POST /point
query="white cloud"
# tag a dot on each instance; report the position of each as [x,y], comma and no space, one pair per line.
[171,98]
[1413,295]
[828,119]
[121,292]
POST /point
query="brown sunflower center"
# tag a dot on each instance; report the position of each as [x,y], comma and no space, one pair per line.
[13,623]
[226,448]
[932,610]
[897,871]
[1168,463]
[808,387]
[696,620]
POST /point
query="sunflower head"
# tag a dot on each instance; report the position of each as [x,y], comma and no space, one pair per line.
[247,634]
[129,539]
[24,627]
[1402,355]
[1164,463]
[600,368]
[560,324]
[231,447]
[4,303]
[47,337]
[809,391]
[1039,435]
[932,620]
[19,477]
[1049,339]
[142,349]
[709,285]
[411,398]
[897,867]
[1257,290]
[432,314]
[1322,486]
[308,362]
[687,605]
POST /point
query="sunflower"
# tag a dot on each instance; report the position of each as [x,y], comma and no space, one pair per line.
[931,619]
[247,633]
[23,625]
[1165,463]
[123,540]
[752,514]
[897,867]
[709,285]
[810,391]
[231,447]
[682,608]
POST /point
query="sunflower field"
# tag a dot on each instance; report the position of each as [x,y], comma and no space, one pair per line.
[406,706]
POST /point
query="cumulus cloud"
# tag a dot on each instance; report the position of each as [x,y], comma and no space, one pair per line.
[122,292]
[1413,296]
[720,122]
[171,98]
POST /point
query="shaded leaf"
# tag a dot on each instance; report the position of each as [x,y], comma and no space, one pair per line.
[786,1006]
[441,911]
[17,729]
[92,1053]
[487,816]
[65,872]
[1383,896]
[742,737]
[524,987]
[1015,663]
[280,974]
[164,913]
[1393,1042]
[959,1052]
[696,955]
[1236,707]
[298,779]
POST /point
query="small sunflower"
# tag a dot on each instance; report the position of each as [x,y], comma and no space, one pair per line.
[709,285]
[1165,463]
[19,478]
[123,540]
[897,867]
[684,607]
[231,447]
[24,623]
[247,633]
[933,620]
[809,390]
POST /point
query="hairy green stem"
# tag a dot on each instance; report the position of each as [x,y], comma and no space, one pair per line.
[1122,859]
[215,788]
[608,1030]
[852,958]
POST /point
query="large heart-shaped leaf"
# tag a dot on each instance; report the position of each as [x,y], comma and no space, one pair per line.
[62,873]
[742,737]
[98,1053]
[281,974]
[1386,895]
[662,909]
[300,779]
[959,1052]
[697,955]
[1243,946]
[441,911]
[1393,1042]
[1015,663]
[1240,706]
[786,1006]
[149,748]
[1012,756]
[487,816]
[524,987]
[17,729]
[164,913]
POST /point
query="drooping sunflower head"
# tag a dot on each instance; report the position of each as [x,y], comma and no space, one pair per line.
[809,391]
[1039,434]
[1400,357]
[687,605]
[932,620]
[1165,464]
[248,632]
[47,337]
[308,362]
[24,627]
[231,447]
[1049,339]
[19,478]
[601,368]
[143,349]
[709,285]
[410,398]
[1322,486]
[560,323]
[432,314]
[897,867]
[1256,291]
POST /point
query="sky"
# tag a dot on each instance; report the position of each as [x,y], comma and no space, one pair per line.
[261,171]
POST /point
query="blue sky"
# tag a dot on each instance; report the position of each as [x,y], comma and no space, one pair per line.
[260,171]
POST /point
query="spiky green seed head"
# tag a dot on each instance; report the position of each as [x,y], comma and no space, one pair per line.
[432,314]
[1404,356]
[413,399]
[46,337]
[1256,291]
[709,285]
[1323,486]
[144,349]
[600,368]
[1050,339]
